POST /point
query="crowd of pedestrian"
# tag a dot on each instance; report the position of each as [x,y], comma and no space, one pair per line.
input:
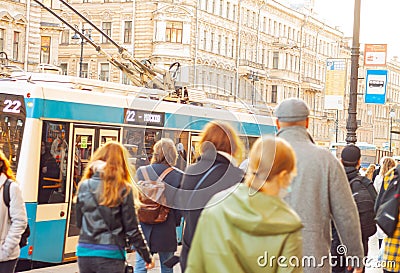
[289,198]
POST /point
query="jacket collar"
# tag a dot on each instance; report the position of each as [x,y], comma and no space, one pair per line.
[228,156]
[212,155]
[351,172]
[295,133]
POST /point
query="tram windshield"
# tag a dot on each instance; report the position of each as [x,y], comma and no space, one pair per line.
[12,122]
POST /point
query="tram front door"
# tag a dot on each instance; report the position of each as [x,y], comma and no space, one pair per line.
[85,142]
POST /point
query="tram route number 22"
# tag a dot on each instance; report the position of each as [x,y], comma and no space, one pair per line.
[12,106]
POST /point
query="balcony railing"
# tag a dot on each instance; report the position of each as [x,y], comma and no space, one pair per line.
[251,64]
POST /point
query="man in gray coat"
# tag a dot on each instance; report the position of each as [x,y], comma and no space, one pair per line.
[320,192]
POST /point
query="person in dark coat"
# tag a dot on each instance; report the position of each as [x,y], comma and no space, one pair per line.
[161,237]
[351,160]
[215,169]
[182,156]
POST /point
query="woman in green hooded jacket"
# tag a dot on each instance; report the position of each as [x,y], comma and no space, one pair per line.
[252,229]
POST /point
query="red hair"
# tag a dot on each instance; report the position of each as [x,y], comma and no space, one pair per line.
[224,138]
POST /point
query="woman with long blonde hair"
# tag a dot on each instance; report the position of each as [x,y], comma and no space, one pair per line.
[13,218]
[106,215]
[386,164]
[161,237]
[369,173]
[243,229]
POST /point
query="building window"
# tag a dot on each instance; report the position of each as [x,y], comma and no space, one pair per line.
[212,42]
[221,3]
[64,68]
[107,1]
[275,60]
[2,38]
[104,72]
[274,93]
[228,6]
[219,44]
[125,79]
[234,13]
[263,56]
[45,49]
[85,70]
[213,6]
[106,30]
[65,37]
[85,1]
[226,47]
[16,45]
[205,40]
[128,32]
[173,32]
[233,48]
[265,25]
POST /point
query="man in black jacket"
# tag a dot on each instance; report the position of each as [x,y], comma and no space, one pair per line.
[364,195]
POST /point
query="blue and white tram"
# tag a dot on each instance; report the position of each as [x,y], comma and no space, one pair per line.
[50,128]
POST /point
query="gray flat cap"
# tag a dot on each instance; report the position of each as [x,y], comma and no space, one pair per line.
[291,110]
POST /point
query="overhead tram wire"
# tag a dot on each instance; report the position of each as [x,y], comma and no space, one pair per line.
[147,75]
[141,68]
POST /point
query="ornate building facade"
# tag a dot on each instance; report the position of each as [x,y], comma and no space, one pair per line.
[28,35]
[251,52]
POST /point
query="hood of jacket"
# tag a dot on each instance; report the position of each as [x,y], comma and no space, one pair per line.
[351,172]
[97,165]
[259,214]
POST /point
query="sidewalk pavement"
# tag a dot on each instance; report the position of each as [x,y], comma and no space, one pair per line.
[73,267]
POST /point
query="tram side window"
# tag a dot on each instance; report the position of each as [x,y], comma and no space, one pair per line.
[139,142]
[133,140]
[53,163]
[181,140]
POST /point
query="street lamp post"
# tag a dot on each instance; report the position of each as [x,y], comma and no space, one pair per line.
[351,125]
[254,78]
[392,114]
[75,37]
[337,125]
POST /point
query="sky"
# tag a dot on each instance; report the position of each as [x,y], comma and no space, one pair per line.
[380,20]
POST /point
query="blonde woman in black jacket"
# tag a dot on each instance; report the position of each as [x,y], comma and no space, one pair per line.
[106,215]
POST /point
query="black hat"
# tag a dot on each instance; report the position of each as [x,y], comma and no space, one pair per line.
[351,154]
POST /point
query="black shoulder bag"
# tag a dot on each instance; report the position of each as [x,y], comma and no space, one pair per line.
[6,198]
[128,266]
[387,215]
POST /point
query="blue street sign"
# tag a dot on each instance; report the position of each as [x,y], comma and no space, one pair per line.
[376,82]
